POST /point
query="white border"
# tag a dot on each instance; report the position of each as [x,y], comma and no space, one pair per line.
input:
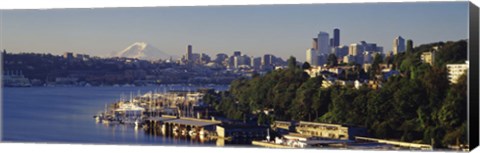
[73,148]
[47,4]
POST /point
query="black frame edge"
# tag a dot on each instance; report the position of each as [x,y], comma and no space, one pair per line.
[473,78]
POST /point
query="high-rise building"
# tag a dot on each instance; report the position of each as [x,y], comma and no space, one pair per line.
[189,53]
[240,61]
[312,57]
[340,51]
[355,49]
[237,53]
[323,43]
[256,62]
[315,44]
[398,45]
[68,55]
[267,60]
[336,37]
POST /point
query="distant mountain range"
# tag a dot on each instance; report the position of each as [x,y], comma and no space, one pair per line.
[144,51]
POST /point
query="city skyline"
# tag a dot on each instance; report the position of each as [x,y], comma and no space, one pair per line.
[281,30]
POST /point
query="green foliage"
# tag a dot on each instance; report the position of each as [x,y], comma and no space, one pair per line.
[306,65]
[418,106]
[452,52]
[409,46]
[332,60]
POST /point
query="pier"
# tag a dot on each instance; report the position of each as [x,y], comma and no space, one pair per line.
[176,126]
[270,145]
[398,143]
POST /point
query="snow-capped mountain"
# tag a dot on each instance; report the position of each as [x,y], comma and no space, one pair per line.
[142,50]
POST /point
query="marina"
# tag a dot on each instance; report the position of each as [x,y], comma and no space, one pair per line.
[64,114]
[172,113]
[181,114]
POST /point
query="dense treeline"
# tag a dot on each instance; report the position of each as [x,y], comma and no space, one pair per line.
[417,106]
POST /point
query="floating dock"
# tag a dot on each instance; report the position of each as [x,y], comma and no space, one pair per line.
[270,145]
[398,143]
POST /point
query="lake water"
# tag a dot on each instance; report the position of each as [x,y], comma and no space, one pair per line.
[65,115]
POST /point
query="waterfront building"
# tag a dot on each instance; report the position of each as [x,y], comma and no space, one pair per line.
[456,70]
[244,131]
[312,57]
[398,45]
[15,79]
[321,130]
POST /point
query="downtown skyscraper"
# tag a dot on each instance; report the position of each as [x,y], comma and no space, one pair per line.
[398,45]
[323,43]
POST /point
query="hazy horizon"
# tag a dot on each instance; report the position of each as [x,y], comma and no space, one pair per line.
[282,30]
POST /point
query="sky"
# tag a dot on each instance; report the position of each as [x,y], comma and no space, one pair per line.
[282,30]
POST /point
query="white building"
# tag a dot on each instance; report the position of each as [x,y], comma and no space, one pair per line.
[398,45]
[314,71]
[312,57]
[456,70]
[428,57]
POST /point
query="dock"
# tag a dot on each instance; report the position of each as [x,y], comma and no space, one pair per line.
[398,143]
[270,145]
[173,125]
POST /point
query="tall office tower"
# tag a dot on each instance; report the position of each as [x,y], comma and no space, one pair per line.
[237,53]
[220,58]
[315,44]
[312,57]
[241,61]
[331,42]
[323,43]
[355,49]
[267,60]
[341,51]
[189,53]
[398,45]
[256,62]
[336,37]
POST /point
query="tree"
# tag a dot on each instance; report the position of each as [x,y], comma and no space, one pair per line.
[453,111]
[306,66]
[292,63]
[375,69]
[409,46]
[332,60]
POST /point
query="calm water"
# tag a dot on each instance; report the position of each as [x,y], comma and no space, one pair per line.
[65,115]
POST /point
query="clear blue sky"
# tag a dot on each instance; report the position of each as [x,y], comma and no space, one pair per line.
[282,30]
